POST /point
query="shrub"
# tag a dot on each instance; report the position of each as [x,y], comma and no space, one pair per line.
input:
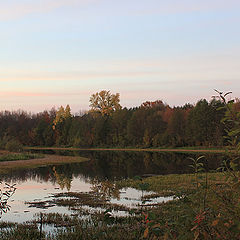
[14,146]
[4,141]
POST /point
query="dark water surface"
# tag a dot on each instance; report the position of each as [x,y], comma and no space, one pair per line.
[39,184]
[127,164]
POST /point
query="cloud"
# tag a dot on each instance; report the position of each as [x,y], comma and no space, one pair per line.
[79,76]
[24,94]
[183,68]
[186,6]
[39,94]
[19,10]
[11,10]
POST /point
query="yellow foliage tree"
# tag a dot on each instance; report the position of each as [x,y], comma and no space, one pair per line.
[67,112]
[61,115]
[105,102]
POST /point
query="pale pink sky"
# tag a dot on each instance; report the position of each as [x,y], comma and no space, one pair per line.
[59,52]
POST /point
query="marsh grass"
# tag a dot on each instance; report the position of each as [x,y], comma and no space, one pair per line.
[20,232]
[76,200]
[172,184]
[97,227]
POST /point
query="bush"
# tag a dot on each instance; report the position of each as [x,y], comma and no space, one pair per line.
[14,146]
[4,141]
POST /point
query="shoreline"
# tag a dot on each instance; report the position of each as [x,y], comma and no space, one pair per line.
[131,149]
[6,166]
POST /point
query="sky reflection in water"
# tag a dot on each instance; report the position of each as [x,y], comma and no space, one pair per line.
[39,184]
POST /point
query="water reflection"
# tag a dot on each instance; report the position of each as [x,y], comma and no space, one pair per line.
[117,165]
[133,198]
[105,189]
[95,175]
[63,180]
[106,165]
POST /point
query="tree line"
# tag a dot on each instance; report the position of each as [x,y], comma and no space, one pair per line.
[107,124]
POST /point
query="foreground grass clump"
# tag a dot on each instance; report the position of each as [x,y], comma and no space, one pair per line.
[20,232]
[97,227]
[19,156]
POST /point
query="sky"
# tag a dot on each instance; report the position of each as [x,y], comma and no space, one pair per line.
[59,52]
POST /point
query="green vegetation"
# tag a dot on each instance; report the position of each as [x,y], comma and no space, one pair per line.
[14,146]
[205,207]
[171,184]
[11,144]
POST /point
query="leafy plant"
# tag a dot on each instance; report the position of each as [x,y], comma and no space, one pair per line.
[196,165]
[5,194]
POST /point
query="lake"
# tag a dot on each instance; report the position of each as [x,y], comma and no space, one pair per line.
[37,188]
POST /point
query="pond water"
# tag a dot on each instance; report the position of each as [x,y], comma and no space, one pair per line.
[41,184]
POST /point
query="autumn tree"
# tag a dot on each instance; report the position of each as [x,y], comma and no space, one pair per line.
[61,115]
[62,124]
[105,102]
[158,104]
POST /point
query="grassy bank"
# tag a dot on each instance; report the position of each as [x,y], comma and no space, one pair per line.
[172,184]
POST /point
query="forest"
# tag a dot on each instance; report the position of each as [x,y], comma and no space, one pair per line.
[152,124]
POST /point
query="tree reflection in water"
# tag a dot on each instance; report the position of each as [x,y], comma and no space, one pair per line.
[106,189]
[5,193]
[62,179]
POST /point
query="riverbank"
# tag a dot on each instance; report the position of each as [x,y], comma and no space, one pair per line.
[44,160]
[187,150]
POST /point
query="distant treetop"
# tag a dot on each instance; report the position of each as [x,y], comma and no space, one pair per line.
[105,102]
[156,104]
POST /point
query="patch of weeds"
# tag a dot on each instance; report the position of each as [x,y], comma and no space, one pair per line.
[59,220]
[151,196]
[96,229]
[20,232]
[91,199]
[7,224]
[79,198]
[41,204]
